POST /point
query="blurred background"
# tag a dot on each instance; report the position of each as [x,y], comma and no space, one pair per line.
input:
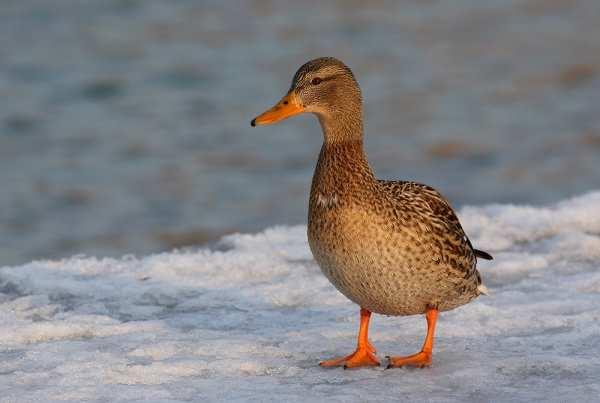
[124,124]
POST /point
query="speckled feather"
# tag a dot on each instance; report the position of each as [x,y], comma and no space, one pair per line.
[392,247]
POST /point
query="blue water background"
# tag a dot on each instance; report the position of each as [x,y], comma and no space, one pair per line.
[124,124]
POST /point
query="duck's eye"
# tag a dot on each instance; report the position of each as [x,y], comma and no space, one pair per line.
[316,81]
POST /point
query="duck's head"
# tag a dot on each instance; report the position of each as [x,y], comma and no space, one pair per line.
[323,86]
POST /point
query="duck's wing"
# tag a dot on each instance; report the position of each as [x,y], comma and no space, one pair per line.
[433,205]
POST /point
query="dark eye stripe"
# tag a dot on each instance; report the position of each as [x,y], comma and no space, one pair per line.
[333,77]
[322,80]
[302,86]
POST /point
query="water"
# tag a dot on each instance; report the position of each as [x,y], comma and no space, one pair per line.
[124,125]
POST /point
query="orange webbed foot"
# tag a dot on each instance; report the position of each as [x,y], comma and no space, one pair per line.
[362,357]
[419,360]
[423,358]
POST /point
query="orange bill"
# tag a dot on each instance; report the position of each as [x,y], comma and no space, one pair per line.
[288,106]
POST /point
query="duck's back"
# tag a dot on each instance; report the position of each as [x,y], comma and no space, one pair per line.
[392,247]
[443,231]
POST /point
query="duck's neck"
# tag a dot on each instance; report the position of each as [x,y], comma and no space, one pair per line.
[342,153]
[342,170]
[343,125]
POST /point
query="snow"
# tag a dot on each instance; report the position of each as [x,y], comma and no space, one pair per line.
[249,318]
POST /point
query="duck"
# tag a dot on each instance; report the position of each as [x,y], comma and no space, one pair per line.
[394,248]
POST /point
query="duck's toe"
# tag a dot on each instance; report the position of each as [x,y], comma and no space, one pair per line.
[362,357]
[420,360]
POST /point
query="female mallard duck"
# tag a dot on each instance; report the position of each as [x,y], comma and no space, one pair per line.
[392,247]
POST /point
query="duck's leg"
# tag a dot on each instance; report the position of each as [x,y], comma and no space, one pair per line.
[364,356]
[422,358]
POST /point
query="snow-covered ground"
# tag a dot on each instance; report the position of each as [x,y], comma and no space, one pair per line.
[249,319]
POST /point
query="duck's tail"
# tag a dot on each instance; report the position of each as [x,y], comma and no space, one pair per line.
[483,255]
[483,289]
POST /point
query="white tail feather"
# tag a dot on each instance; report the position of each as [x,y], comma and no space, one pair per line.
[483,289]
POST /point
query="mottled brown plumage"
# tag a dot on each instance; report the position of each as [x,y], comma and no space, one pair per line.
[392,247]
